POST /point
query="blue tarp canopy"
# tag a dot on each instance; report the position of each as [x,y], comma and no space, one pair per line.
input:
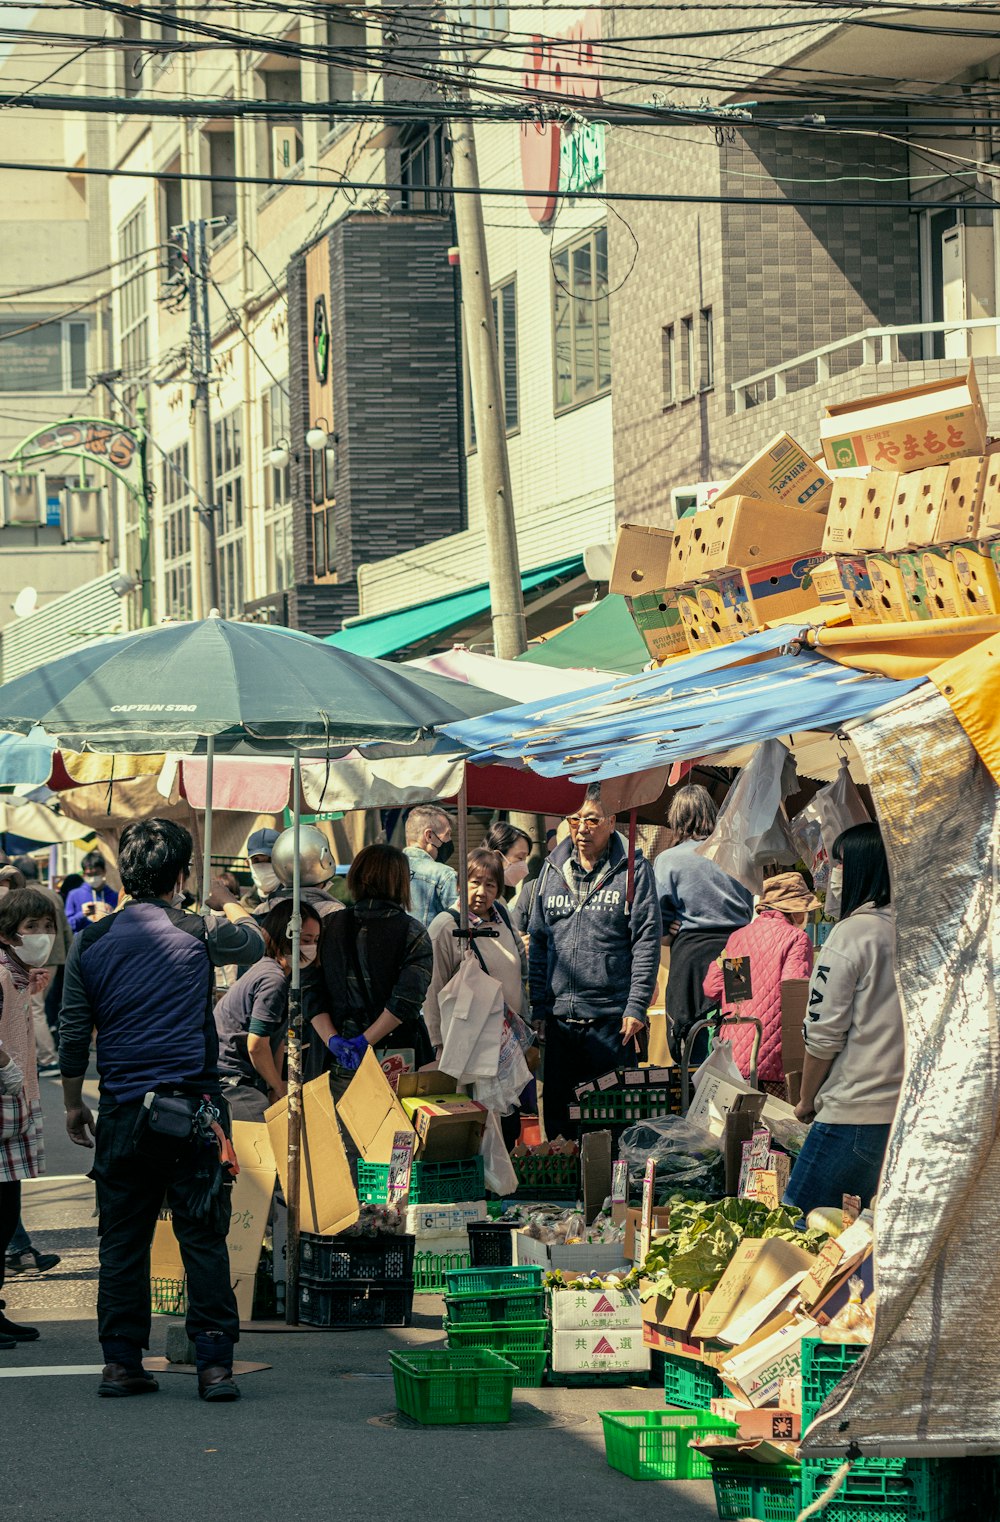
[697,707]
[26,759]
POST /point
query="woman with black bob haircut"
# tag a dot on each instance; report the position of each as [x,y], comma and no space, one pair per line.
[854,1037]
[367,986]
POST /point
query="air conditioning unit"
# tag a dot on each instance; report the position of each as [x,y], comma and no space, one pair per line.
[23,504]
[968,288]
[286,149]
[685,500]
[83,512]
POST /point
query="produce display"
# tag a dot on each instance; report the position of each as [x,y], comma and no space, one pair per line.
[554,1226]
[702,1237]
[687,1158]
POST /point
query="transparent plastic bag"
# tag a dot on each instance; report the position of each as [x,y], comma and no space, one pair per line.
[688,1159]
[500,1175]
[751,829]
[814,829]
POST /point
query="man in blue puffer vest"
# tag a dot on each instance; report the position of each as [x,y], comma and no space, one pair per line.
[593,960]
[143,978]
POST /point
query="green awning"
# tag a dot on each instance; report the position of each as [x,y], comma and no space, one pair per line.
[605,638]
[389,632]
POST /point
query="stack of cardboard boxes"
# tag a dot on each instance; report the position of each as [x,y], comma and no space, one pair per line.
[906,528]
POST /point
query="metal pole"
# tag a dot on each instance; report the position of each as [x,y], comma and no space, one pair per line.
[200,335]
[510,637]
[145,503]
[463,860]
[206,861]
[294,1062]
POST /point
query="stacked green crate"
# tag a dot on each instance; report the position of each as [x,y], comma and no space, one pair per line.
[501,1310]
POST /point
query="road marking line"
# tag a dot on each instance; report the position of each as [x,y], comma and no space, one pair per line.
[49,1369]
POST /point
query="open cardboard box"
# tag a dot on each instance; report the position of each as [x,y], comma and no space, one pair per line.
[783,474]
[448,1129]
[908,429]
[371,1111]
[759,1282]
[328,1202]
[741,533]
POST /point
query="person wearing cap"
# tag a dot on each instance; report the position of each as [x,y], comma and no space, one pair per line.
[271,865]
[777,947]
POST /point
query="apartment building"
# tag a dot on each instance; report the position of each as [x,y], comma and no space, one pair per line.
[740,320]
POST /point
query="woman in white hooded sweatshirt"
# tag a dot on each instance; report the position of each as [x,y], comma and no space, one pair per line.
[854,1037]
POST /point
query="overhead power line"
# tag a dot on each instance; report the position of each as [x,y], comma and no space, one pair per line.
[517,192]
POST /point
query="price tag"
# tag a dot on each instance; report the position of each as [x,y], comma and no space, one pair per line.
[737,984]
[646,1229]
[400,1168]
[619,1183]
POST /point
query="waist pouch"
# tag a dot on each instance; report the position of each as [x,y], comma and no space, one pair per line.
[171,1115]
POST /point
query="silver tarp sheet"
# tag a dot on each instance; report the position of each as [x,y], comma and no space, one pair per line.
[930,1384]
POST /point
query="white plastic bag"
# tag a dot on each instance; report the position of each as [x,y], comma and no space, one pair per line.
[500,1175]
[814,829]
[501,1094]
[751,829]
[471,1007]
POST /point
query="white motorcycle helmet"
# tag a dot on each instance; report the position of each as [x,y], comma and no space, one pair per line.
[317,865]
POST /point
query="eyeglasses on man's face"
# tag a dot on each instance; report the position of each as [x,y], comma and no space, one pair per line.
[585,821]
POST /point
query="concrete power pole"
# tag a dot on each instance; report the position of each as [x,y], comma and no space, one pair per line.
[200,336]
[509,633]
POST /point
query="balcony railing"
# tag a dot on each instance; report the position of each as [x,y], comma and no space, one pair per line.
[876,346]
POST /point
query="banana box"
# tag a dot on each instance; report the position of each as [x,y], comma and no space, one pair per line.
[657,618]
[912,567]
[715,613]
[978,582]
[944,596]
[856,588]
[889,590]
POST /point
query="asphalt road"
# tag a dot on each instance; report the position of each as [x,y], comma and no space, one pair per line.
[315,1434]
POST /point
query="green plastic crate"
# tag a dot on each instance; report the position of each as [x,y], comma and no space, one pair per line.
[453,1387]
[824,1365]
[764,1492]
[437,1183]
[625,1106]
[168,1297]
[522,1344]
[653,1445]
[689,1384]
[429,1269]
[506,1305]
[927,1490]
[547,1177]
[494,1281]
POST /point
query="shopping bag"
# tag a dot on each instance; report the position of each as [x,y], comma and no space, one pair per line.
[500,1175]
[471,1007]
[815,828]
[751,829]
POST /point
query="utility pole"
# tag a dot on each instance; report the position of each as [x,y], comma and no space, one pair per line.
[200,340]
[145,500]
[510,637]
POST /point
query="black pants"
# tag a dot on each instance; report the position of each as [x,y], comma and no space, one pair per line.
[10,1214]
[574,1054]
[131,1191]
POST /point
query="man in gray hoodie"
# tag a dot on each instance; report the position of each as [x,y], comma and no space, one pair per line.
[593,958]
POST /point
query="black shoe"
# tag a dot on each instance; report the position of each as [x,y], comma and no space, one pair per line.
[6,1343]
[31,1258]
[217,1383]
[18,1333]
[117,1380]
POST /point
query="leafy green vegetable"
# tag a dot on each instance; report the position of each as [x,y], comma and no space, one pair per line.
[702,1237]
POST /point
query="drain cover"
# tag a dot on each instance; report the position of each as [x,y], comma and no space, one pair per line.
[522,1415]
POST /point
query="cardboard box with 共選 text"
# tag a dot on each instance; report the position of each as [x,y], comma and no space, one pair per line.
[590,1310]
[599,1352]
[908,429]
[783,474]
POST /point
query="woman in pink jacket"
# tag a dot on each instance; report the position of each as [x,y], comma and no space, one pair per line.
[778,948]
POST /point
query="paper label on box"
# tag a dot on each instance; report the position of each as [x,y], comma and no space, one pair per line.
[609,1080]
[583,1351]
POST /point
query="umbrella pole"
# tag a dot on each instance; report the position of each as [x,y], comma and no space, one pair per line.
[463,859]
[206,865]
[294,1063]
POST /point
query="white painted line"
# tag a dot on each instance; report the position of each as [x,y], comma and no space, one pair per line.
[49,1369]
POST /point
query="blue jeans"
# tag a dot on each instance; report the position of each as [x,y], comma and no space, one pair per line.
[837,1160]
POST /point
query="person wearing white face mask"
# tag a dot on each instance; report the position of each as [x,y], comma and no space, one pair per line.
[27,935]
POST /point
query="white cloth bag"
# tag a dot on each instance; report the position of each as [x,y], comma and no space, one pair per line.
[471,1005]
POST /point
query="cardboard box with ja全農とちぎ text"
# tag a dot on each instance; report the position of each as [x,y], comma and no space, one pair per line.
[599,1352]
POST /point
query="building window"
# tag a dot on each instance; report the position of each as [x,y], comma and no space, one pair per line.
[668,360]
[228,462]
[50,357]
[171,214]
[279,142]
[175,499]
[707,336]
[485,20]
[422,168]
[221,142]
[689,365]
[133,320]
[346,78]
[581,320]
[277,491]
[505,325]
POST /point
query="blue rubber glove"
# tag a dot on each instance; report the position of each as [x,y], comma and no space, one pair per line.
[360,1045]
[346,1053]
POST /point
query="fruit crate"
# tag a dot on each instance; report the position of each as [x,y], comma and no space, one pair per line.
[168,1297]
[495,1281]
[932,1492]
[346,1305]
[625,1106]
[653,1445]
[765,1492]
[452,1387]
[434,1183]
[429,1269]
[524,1344]
[542,1177]
[689,1384]
[505,1305]
[491,1244]
[380,1258]
[824,1365]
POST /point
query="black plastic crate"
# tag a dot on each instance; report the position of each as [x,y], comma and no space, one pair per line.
[331,1259]
[355,1304]
[491,1244]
